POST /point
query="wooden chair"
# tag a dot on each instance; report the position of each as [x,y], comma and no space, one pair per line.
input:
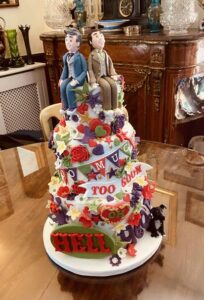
[46,114]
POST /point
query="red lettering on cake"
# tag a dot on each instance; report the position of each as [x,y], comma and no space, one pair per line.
[76,242]
[102,190]
[61,242]
[90,245]
[138,169]
[79,242]
[101,243]
[130,176]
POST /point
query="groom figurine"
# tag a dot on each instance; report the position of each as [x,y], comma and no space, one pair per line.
[74,69]
[101,70]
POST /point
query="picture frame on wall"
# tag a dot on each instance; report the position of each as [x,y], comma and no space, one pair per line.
[9,3]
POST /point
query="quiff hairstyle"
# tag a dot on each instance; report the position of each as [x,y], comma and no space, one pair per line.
[73,32]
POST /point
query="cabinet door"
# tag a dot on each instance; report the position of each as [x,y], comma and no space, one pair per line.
[143,91]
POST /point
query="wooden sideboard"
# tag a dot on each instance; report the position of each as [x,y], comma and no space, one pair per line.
[152,65]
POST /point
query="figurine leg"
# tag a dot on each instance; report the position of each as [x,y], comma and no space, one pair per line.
[106,93]
[63,94]
[71,96]
[114,94]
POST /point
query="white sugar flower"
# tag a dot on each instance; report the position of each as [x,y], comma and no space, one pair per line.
[58,164]
[73,132]
[109,117]
[122,252]
[98,108]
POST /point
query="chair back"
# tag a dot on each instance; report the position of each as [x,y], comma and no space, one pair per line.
[46,114]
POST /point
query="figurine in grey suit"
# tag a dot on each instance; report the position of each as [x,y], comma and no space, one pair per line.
[74,69]
[101,70]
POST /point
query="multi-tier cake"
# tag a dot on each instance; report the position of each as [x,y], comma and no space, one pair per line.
[100,196]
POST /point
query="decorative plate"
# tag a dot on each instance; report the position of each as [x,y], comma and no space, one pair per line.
[112,23]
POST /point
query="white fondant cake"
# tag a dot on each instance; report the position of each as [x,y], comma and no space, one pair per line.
[99,194]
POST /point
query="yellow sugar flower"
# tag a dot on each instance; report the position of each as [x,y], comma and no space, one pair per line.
[119,227]
[141,181]
[63,131]
[61,147]
[74,213]
[54,180]
[129,166]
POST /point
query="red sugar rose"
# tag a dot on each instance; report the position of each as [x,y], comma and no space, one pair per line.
[79,154]
[82,108]
[131,250]
[63,191]
[134,219]
[76,189]
[54,208]
[80,128]
[63,122]
[66,153]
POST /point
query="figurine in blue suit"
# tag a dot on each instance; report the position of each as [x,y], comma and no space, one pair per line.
[74,69]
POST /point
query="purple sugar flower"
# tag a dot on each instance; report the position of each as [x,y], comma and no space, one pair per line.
[128,235]
[94,99]
[115,260]
[102,115]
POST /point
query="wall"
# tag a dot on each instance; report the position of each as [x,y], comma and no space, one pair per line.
[28,12]
[31,12]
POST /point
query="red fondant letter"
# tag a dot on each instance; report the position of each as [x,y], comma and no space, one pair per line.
[60,241]
[101,242]
[90,245]
[76,239]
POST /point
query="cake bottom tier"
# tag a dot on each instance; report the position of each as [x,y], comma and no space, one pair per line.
[146,248]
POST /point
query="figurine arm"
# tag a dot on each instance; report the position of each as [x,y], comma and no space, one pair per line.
[90,71]
[64,73]
[112,73]
[82,75]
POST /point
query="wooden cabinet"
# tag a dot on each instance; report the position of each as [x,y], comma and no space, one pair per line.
[152,65]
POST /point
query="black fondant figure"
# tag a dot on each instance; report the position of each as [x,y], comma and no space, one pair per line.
[156,224]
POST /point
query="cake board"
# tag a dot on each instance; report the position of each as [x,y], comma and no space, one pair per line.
[146,248]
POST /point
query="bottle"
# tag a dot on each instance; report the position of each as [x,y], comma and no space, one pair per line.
[153,12]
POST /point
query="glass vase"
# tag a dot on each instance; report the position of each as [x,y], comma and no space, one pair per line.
[16,60]
[57,14]
[177,15]
[153,13]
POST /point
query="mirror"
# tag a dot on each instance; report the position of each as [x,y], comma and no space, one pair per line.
[9,3]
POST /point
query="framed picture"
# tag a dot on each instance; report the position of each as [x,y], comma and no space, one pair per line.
[195,208]
[169,199]
[9,3]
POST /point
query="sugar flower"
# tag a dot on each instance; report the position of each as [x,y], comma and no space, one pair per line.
[98,108]
[74,213]
[119,227]
[122,252]
[141,181]
[61,147]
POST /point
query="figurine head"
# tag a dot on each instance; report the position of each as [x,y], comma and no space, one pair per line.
[72,39]
[96,40]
